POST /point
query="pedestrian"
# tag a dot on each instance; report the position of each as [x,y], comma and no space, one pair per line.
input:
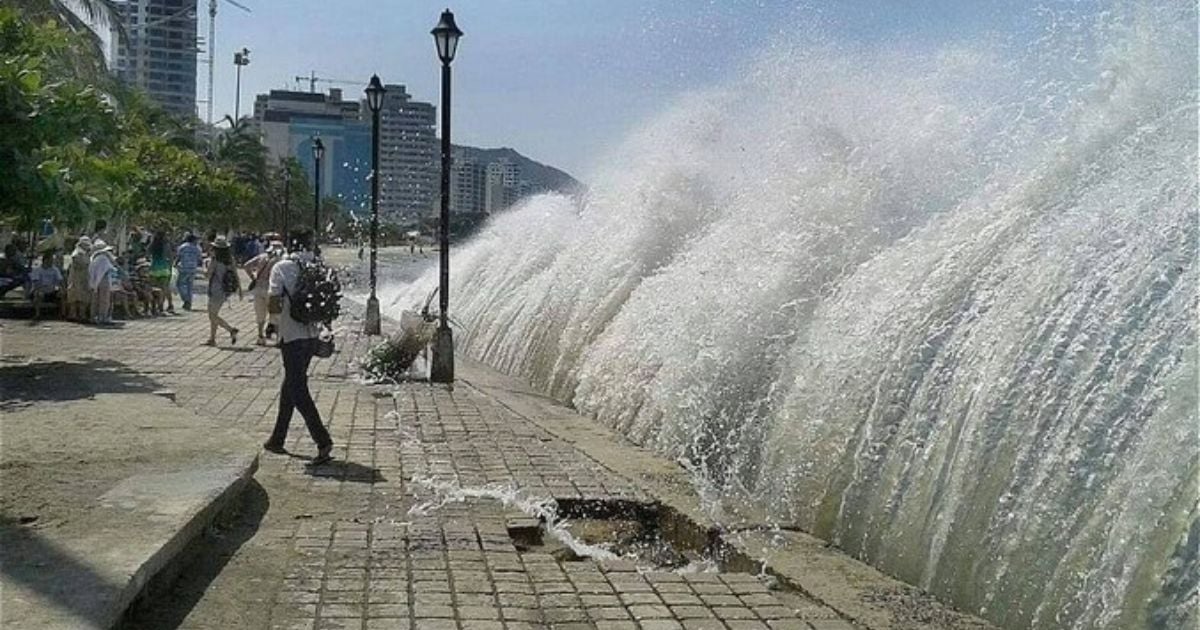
[79,295]
[46,282]
[259,270]
[187,261]
[223,281]
[101,273]
[160,269]
[297,344]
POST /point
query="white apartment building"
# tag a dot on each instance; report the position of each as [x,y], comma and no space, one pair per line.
[467,180]
[502,185]
[408,155]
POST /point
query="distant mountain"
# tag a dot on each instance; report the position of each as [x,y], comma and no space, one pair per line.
[542,177]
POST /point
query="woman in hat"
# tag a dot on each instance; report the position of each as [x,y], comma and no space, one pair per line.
[79,296]
[223,281]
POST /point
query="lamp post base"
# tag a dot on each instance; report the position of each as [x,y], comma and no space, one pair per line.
[372,325]
[441,369]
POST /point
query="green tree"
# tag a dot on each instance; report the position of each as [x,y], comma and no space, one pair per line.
[76,148]
[52,126]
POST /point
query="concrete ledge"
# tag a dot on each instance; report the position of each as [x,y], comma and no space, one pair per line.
[101,494]
[857,592]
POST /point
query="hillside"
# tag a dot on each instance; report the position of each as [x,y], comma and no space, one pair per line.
[543,177]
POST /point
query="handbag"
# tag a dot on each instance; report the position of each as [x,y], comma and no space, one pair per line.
[323,347]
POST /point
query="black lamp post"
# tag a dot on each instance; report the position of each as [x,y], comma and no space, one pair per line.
[239,59]
[445,36]
[375,92]
[287,203]
[318,149]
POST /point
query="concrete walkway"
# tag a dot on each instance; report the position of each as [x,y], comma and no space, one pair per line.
[426,519]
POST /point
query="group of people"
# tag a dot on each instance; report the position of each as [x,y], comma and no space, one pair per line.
[89,283]
[96,274]
[97,278]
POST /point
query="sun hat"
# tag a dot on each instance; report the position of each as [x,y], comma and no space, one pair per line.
[100,246]
[220,242]
[83,245]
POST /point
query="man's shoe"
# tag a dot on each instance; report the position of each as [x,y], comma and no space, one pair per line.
[274,448]
[324,455]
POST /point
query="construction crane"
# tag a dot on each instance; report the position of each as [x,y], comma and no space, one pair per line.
[313,79]
[212,48]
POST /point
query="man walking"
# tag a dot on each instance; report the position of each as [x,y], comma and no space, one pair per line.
[187,261]
[297,343]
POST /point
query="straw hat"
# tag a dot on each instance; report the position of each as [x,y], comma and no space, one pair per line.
[220,243]
[84,244]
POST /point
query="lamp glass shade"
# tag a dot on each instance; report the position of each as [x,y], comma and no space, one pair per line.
[445,36]
[318,149]
[375,92]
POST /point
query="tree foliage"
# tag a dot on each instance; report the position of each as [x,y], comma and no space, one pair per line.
[76,146]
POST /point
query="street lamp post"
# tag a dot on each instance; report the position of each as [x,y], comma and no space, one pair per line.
[375,92]
[239,59]
[318,149]
[287,203]
[445,36]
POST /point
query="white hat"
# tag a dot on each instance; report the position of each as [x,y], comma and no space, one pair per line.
[100,246]
[220,242]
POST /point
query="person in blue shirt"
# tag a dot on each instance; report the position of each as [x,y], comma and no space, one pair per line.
[187,261]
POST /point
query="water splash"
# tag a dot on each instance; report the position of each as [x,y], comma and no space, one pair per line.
[939,308]
[544,509]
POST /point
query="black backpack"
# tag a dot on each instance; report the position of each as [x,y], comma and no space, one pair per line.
[229,282]
[318,294]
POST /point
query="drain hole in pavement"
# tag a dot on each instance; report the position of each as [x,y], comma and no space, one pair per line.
[604,531]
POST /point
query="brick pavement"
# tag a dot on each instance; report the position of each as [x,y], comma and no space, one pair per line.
[408,527]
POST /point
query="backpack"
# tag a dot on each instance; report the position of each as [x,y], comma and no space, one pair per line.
[318,294]
[229,282]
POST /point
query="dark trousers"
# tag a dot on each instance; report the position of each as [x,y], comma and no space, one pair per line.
[294,394]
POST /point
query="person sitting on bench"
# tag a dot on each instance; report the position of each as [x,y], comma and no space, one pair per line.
[46,283]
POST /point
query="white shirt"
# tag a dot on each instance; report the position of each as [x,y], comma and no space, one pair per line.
[284,276]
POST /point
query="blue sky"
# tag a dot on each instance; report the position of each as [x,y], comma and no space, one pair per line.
[558,80]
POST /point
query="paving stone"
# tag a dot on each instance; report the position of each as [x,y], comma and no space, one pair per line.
[830,624]
[340,540]
[660,624]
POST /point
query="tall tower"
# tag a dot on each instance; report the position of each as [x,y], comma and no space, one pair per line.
[407,155]
[159,55]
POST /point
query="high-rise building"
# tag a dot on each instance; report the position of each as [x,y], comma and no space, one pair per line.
[468,179]
[408,165]
[287,123]
[502,185]
[408,155]
[159,53]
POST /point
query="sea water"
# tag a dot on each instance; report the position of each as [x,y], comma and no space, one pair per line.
[937,305]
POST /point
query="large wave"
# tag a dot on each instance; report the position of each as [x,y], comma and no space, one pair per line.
[938,307]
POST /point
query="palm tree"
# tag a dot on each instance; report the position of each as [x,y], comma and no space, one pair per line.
[239,150]
[87,19]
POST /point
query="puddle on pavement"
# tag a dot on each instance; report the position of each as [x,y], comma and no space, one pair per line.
[605,534]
